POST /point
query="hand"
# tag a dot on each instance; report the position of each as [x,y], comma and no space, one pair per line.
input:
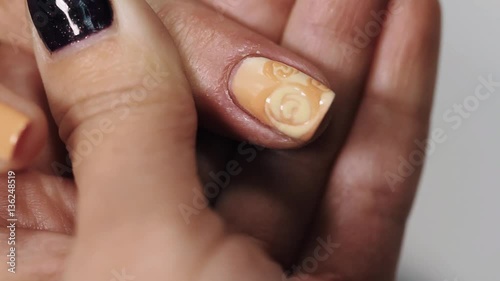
[274,198]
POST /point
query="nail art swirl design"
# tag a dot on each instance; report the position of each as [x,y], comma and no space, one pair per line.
[295,101]
[289,105]
[281,96]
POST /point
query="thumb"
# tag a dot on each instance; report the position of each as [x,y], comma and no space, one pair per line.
[117,90]
[124,108]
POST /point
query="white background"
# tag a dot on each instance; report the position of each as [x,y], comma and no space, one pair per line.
[454,229]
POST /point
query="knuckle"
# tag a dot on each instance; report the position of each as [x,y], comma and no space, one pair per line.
[100,106]
[106,109]
[98,99]
[189,24]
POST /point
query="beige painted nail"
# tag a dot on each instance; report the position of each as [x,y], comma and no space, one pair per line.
[12,125]
[281,96]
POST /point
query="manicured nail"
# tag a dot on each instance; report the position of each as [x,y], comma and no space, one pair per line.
[62,22]
[281,96]
[13,125]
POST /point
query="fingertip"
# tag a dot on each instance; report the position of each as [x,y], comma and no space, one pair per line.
[23,131]
[31,141]
[281,97]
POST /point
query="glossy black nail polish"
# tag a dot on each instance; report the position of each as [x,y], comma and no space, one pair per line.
[62,22]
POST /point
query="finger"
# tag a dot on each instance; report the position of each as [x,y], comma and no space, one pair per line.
[14,28]
[321,31]
[39,255]
[19,73]
[339,37]
[365,208]
[43,202]
[133,161]
[37,241]
[244,85]
[112,92]
[268,189]
[265,17]
[23,131]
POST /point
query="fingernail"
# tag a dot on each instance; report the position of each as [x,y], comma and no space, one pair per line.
[62,22]
[14,123]
[281,96]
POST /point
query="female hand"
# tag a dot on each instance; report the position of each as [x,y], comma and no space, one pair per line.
[136,185]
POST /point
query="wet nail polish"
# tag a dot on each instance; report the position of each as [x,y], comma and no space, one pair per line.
[62,22]
[281,96]
[13,125]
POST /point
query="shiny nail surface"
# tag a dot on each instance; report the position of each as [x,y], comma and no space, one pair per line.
[62,22]
[281,96]
[13,124]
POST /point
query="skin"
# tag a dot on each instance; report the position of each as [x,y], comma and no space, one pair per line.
[258,225]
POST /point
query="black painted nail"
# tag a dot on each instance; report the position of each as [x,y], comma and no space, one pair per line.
[62,22]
